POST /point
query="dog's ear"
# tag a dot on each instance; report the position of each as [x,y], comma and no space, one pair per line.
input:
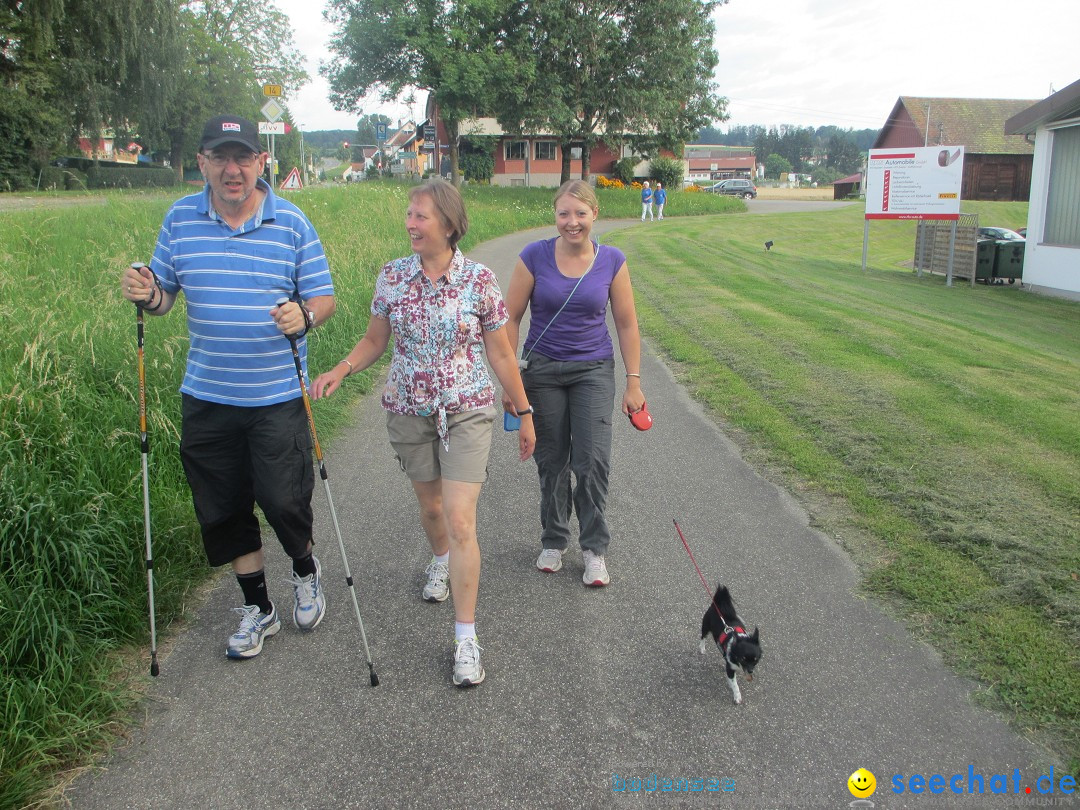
[754,637]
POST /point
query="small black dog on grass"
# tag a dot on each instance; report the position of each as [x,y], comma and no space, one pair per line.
[740,649]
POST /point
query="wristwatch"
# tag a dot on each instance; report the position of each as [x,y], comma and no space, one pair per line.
[525,411]
[309,318]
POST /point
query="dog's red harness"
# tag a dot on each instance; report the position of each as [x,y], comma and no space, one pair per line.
[737,631]
[727,639]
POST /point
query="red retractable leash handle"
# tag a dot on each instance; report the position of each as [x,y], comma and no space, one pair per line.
[642,419]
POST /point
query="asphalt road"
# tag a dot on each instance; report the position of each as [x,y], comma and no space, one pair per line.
[587,689]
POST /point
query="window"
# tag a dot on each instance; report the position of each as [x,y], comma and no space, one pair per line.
[545,150]
[515,150]
[1063,196]
[575,153]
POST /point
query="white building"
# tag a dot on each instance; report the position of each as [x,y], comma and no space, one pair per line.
[1052,260]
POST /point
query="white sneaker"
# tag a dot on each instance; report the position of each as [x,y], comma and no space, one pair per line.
[468,671]
[550,560]
[595,570]
[255,626]
[309,605]
[438,583]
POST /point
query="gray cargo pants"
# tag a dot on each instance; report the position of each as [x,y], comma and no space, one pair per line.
[574,401]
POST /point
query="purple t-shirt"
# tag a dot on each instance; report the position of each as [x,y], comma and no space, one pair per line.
[580,332]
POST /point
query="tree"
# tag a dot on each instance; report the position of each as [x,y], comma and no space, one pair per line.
[74,66]
[777,165]
[232,48]
[843,154]
[453,49]
[668,171]
[597,69]
[365,128]
[795,144]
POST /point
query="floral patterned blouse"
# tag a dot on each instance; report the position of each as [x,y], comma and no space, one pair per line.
[437,367]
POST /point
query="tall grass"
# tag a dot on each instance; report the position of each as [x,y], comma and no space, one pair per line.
[72,580]
[935,430]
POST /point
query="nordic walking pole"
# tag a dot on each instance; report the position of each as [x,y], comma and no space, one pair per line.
[144,443]
[329,498]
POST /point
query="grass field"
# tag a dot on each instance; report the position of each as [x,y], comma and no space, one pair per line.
[933,431]
[72,585]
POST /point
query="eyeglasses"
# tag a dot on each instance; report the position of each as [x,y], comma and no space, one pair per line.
[242,159]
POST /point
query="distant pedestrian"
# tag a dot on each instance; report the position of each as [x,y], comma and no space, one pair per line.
[646,201]
[444,313]
[567,283]
[235,249]
[660,197]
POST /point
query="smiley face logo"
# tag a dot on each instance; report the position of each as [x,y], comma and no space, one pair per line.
[861,783]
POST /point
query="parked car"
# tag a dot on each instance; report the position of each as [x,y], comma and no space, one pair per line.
[1005,234]
[1022,232]
[735,187]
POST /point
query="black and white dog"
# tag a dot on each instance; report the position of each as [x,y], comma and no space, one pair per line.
[740,648]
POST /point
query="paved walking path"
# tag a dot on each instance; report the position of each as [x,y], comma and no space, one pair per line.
[585,687]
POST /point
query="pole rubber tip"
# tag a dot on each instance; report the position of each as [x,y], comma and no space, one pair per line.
[154,668]
[374,677]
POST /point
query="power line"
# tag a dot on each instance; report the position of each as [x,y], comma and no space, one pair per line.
[835,116]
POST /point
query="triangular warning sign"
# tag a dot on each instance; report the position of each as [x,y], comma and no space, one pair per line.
[292,182]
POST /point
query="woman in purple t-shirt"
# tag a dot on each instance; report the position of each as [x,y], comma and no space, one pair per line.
[569,372]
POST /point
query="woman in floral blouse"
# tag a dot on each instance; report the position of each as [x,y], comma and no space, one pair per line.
[443,311]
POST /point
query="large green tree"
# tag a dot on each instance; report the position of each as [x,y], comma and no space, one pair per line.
[452,48]
[69,67]
[231,48]
[594,70]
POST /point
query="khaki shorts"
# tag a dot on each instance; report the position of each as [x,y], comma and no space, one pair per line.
[424,458]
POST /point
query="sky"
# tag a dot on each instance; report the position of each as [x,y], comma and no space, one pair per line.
[818,62]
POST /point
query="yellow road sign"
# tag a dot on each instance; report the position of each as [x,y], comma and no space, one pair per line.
[271,89]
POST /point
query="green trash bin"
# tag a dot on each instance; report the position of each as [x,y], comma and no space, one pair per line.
[985,255]
[1009,260]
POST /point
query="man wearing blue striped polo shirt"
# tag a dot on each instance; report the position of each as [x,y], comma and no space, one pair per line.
[235,249]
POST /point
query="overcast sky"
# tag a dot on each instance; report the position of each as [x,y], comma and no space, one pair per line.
[816,62]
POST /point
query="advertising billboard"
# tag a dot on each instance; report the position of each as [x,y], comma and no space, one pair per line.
[914,183]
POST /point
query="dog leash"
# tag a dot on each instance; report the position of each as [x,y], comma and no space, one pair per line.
[727,627]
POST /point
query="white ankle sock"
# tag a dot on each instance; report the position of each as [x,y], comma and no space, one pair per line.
[463,631]
[441,558]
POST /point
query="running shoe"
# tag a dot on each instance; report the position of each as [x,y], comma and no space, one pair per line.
[595,570]
[550,560]
[468,671]
[255,627]
[309,606]
[438,581]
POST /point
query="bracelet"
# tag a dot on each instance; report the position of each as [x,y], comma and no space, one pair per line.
[525,411]
[346,362]
[631,374]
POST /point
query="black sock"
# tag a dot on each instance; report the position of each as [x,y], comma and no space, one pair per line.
[304,566]
[254,588]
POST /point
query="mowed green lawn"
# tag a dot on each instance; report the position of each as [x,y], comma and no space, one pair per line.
[932,431]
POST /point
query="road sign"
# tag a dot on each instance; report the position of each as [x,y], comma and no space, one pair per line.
[272,111]
[429,133]
[292,182]
[380,132]
[271,128]
[271,89]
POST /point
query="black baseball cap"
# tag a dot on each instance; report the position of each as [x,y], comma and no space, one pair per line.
[223,129]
